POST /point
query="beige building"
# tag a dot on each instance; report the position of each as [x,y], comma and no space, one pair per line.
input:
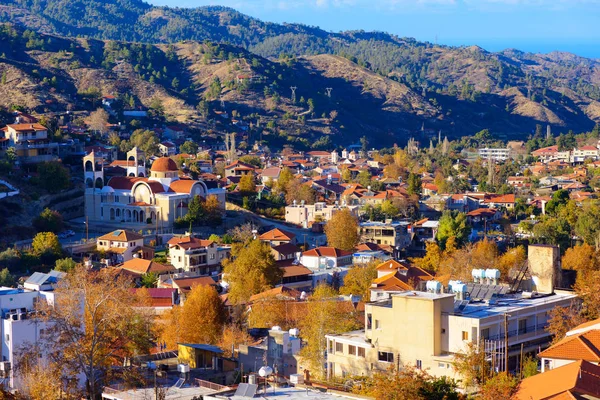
[123,245]
[136,201]
[305,214]
[394,234]
[31,143]
[426,330]
[201,257]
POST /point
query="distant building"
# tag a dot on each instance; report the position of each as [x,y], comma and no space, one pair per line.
[495,154]
[390,233]
[201,257]
[305,214]
[31,143]
[123,245]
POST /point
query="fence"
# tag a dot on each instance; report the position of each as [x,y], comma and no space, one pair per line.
[210,385]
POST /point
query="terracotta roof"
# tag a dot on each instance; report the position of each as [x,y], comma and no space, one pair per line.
[295,270]
[286,248]
[281,292]
[164,164]
[121,235]
[487,212]
[277,235]
[140,266]
[582,346]
[188,283]
[272,172]
[240,164]
[577,378]
[182,185]
[188,242]
[391,282]
[507,198]
[326,252]
[392,265]
[585,325]
[27,127]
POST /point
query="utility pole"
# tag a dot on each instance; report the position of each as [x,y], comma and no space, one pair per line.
[506,342]
[293,88]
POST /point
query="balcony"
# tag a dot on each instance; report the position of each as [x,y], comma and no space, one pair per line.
[522,334]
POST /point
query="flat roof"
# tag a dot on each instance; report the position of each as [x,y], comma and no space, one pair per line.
[354,337]
[290,393]
[184,393]
[384,224]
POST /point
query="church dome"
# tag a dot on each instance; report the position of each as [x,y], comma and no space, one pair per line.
[164,164]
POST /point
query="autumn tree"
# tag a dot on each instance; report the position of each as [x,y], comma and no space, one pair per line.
[580,258]
[232,337]
[342,230]
[252,270]
[199,320]
[500,386]
[299,191]
[271,311]
[588,223]
[213,212]
[98,121]
[247,185]
[145,140]
[358,280]
[562,320]
[90,310]
[432,258]
[471,364]
[512,259]
[323,316]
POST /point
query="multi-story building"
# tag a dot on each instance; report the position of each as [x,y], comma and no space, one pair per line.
[31,143]
[305,214]
[123,245]
[198,256]
[427,329]
[390,233]
[496,154]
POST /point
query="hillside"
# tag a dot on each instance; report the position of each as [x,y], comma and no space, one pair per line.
[383,86]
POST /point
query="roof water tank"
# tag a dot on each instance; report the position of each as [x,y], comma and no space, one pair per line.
[265,371]
[294,332]
[276,328]
[434,286]
[492,274]
[459,288]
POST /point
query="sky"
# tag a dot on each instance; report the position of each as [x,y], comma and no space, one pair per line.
[528,25]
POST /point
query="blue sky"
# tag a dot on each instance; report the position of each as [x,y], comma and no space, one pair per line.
[529,25]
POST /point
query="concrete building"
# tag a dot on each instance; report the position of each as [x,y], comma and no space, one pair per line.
[496,154]
[31,143]
[280,347]
[305,214]
[390,233]
[426,330]
[198,256]
[122,245]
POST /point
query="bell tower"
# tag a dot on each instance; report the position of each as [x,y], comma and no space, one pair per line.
[93,167]
[136,162]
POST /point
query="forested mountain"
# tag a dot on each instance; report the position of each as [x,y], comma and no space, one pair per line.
[459,89]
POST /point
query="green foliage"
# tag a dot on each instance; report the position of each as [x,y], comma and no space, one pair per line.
[189,147]
[453,226]
[46,243]
[7,279]
[559,199]
[145,140]
[414,184]
[52,176]
[65,265]
[149,280]
[49,221]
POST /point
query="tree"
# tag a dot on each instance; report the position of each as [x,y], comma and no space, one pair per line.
[559,199]
[199,320]
[342,230]
[189,147]
[93,325]
[46,243]
[149,280]
[53,176]
[500,386]
[144,140]
[98,121]
[472,365]
[588,223]
[562,320]
[195,210]
[285,177]
[49,221]
[252,270]
[364,144]
[431,260]
[556,231]
[580,258]
[299,191]
[414,184]
[247,185]
[324,316]
[232,337]
[453,226]
[359,279]
[7,279]
[271,311]
[65,265]
[530,366]
[512,259]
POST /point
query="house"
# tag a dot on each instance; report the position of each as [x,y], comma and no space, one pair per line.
[167,149]
[389,232]
[295,275]
[580,343]
[578,380]
[321,258]
[483,216]
[306,214]
[286,251]
[31,143]
[506,201]
[239,169]
[198,355]
[495,154]
[160,300]
[136,267]
[198,256]
[276,237]
[40,281]
[123,245]
[270,174]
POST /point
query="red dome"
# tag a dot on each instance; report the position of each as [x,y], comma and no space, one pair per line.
[164,164]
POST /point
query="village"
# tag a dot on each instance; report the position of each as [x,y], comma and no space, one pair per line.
[318,270]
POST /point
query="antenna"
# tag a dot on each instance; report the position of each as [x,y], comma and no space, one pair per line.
[293,88]
[329,91]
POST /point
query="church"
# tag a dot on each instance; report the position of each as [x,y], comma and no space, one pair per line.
[136,200]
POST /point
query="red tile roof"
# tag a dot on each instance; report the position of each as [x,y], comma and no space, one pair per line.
[188,242]
[277,235]
[326,252]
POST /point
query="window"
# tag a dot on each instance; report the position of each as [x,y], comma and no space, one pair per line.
[330,347]
[419,364]
[212,256]
[485,333]
[441,365]
[361,352]
[352,350]
[339,347]
[385,356]
[522,326]
[7,337]
[465,335]
[377,324]
[369,321]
